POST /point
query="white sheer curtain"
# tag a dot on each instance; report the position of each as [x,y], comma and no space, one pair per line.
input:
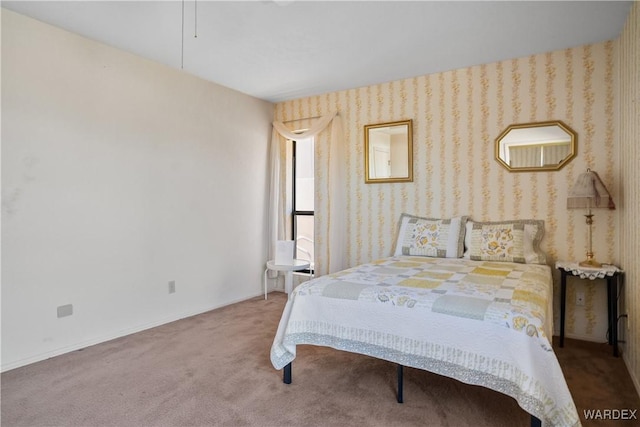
[554,154]
[525,156]
[330,214]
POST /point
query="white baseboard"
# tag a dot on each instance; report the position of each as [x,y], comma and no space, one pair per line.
[636,381]
[589,338]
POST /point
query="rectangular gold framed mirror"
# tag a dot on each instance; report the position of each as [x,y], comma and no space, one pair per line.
[388,152]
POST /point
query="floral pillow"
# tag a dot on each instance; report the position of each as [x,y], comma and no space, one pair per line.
[432,237]
[511,241]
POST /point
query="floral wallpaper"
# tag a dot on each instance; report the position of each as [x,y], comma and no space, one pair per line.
[629,203]
[456,116]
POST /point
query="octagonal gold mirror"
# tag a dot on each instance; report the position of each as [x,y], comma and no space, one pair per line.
[541,146]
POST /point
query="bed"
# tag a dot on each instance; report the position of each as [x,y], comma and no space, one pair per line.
[480,315]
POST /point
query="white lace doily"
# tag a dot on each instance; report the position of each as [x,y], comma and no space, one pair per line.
[588,272]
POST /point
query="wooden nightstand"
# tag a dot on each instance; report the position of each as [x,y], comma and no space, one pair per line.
[609,272]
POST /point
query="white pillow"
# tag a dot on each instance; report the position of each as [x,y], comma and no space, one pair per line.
[432,237]
[511,241]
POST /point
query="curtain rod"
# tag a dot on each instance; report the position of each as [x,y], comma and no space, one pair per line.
[305,118]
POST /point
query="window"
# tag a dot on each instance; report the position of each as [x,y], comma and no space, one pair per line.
[303,193]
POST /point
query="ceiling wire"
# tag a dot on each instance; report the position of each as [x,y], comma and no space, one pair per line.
[195,33]
[182,40]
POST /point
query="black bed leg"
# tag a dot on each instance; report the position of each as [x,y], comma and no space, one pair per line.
[400,385]
[286,374]
[535,422]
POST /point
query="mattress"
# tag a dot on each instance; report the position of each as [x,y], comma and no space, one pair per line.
[482,323]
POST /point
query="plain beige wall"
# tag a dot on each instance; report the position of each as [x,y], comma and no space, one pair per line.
[118,176]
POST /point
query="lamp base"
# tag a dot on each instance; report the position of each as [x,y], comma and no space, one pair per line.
[590,263]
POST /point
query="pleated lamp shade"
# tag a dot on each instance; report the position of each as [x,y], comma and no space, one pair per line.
[589,192]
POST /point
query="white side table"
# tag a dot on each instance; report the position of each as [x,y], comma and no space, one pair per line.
[296,265]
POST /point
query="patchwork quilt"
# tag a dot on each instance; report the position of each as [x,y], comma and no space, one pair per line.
[480,322]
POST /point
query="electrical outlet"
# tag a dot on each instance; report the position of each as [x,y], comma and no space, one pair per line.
[626,317]
[579,298]
[172,287]
[65,310]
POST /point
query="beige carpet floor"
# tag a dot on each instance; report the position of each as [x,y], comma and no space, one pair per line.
[214,370]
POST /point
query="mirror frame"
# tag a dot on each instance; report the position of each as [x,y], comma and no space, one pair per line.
[409,124]
[572,153]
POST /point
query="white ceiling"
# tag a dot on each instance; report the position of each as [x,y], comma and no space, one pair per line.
[281,50]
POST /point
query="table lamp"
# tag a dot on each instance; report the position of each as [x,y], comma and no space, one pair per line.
[587,193]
